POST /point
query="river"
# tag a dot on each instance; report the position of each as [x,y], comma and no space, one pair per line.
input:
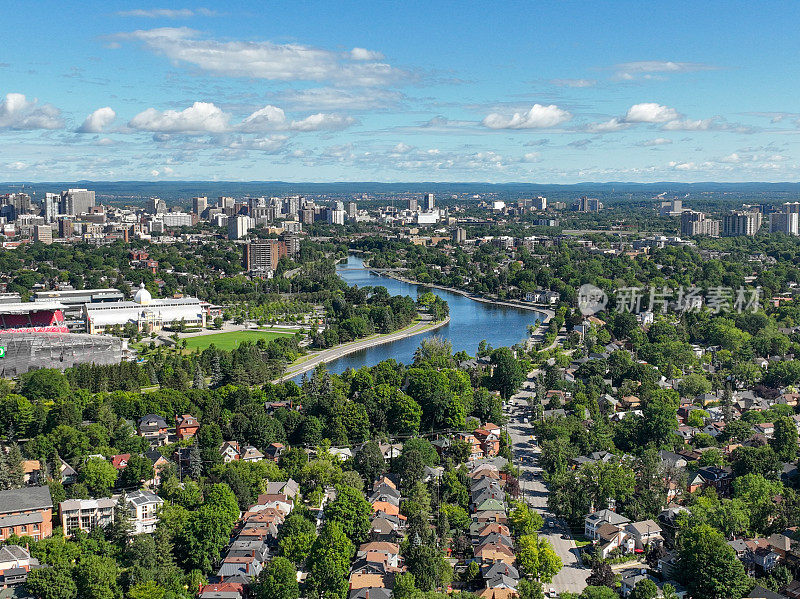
[470,322]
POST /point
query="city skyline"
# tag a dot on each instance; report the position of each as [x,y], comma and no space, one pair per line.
[545,93]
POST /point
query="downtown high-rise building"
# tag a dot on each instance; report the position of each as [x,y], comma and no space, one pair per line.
[199,205]
[697,223]
[51,207]
[429,202]
[77,201]
[787,220]
[263,256]
[741,222]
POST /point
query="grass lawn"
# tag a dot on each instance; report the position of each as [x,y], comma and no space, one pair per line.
[230,340]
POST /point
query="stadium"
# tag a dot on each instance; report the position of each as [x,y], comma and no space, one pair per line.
[35,335]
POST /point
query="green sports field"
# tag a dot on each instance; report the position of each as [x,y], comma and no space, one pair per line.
[230,340]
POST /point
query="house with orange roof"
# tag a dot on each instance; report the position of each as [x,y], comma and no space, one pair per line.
[475,449]
[492,553]
[120,461]
[186,426]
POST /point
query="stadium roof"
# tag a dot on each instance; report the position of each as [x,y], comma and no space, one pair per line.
[28,307]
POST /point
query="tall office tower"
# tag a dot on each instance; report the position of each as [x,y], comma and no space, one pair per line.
[238,226]
[76,201]
[199,205]
[741,222]
[292,226]
[539,203]
[43,234]
[352,208]
[697,223]
[156,206]
[65,228]
[784,222]
[429,202]
[262,256]
[589,205]
[292,205]
[225,202]
[335,217]
[412,204]
[20,201]
[292,242]
[459,235]
[671,208]
[791,207]
[307,215]
[51,208]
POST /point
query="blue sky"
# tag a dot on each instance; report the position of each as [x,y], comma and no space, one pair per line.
[545,92]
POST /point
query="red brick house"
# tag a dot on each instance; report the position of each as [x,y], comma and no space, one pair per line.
[186,426]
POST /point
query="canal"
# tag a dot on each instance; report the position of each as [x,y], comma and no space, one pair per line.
[470,322]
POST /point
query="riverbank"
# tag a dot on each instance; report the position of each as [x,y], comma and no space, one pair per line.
[547,312]
[312,360]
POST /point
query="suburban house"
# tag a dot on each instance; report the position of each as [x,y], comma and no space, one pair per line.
[594,521]
[144,505]
[153,428]
[86,514]
[26,512]
[186,426]
[15,563]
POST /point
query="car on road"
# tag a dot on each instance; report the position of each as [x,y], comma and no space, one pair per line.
[525,420]
[552,592]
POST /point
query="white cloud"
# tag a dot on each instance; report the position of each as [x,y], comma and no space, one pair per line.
[650,69]
[264,119]
[272,118]
[167,13]
[19,113]
[615,124]
[658,141]
[650,112]
[688,125]
[364,54]
[201,117]
[263,60]
[538,117]
[98,120]
[574,82]
[322,122]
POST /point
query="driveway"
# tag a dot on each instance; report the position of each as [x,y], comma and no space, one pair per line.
[572,577]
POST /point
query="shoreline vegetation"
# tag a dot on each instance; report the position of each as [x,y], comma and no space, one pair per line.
[312,360]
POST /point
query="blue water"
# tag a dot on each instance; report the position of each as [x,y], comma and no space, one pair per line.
[470,322]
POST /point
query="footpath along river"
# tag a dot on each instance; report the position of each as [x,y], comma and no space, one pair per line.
[470,322]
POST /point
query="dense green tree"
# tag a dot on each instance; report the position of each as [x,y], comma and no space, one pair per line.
[277,581]
[709,565]
[329,563]
[352,512]
[99,476]
[508,374]
[784,439]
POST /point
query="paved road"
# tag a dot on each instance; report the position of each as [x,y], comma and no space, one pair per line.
[340,351]
[572,577]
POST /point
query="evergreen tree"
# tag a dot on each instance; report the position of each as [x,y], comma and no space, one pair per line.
[199,378]
[122,527]
[195,462]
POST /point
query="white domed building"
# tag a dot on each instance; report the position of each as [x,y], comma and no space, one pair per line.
[148,314]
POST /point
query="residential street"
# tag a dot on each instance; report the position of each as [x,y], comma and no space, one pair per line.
[573,576]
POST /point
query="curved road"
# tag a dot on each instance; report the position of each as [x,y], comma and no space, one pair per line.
[334,353]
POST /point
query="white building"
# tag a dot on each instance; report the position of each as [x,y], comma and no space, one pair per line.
[144,506]
[238,226]
[146,313]
[176,219]
[336,217]
[86,514]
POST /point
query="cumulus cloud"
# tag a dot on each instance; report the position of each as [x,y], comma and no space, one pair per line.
[649,69]
[98,120]
[265,60]
[538,117]
[19,113]
[201,117]
[574,82]
[322,122]
[206,117]
[167,13]
[650,112]
[615,124]
[688,125]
